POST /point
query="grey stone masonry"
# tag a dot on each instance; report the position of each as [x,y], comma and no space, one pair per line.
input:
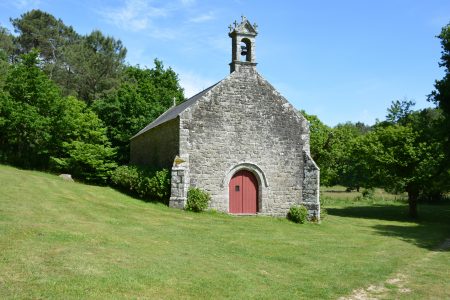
[240,123]
[311,187]
[179,182]
[244,123]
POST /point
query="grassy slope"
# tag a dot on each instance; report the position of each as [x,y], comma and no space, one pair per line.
[67,240]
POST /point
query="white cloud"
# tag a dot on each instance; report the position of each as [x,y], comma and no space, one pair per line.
[135,15]
[203,18]
[193,83]
[162,20]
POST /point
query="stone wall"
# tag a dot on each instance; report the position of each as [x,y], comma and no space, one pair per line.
[311,187]
[156,147]
[179,184]
[244,123]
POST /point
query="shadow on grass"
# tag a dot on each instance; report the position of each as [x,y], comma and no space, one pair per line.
[137,197]
[424,235]
[432,227]
[376,211]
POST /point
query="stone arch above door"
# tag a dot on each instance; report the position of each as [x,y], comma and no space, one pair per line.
[259,174]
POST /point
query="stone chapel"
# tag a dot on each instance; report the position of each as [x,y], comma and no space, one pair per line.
[240,140]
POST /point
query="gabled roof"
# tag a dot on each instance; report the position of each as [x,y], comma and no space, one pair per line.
[174,111]
[243,28]
[246,28]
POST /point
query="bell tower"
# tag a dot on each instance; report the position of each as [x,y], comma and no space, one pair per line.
[242,44]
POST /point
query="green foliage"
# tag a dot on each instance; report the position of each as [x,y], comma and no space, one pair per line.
[42,31]
[39,126]
[441,95]
[399,110]
[86,152]
[298,214]
[331,149]
[321,145]
[43,125]
[197,200]
[143,95]
[368,193]
[399,161]
[6,53]
[28,108]
[38,30]
[92,162]
[147,183]
[96,65]
[84,66]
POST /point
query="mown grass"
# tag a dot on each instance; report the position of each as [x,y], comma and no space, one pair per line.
[68,240]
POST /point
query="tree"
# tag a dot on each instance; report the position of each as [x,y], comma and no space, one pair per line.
[399,110]
[143,96]
[6,53]
[50,36]
[83,147]
[331,149]
[28,104]
[351,169]
[94,65]
[321,148]
[84,66]
[405,155]
[441,94]
[39,126]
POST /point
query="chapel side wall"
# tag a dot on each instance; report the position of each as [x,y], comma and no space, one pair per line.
[157,147]
[245,121]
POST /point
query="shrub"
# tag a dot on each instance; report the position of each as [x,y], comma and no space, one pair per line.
[197,200]
[298,214]
[147,183]
[91,162]
[368,193]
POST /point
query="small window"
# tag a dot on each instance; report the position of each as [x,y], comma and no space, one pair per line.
[236,188]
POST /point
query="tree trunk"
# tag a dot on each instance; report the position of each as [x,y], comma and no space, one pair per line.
[413,194]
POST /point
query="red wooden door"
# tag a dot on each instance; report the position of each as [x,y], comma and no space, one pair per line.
[243,192]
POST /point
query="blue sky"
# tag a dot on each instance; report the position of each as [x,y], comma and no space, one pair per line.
[341,60]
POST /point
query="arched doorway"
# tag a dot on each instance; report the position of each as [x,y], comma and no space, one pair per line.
[243,193]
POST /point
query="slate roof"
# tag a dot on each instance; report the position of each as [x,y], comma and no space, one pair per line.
[174,111]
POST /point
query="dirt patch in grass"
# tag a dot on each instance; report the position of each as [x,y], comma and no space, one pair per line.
[399,283]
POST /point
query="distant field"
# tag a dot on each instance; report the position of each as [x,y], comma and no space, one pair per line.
[339,193]
[68,240]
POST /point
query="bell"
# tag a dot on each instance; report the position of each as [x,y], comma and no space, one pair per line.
[243,50]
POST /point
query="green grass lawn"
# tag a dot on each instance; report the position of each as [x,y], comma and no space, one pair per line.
[68,240]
